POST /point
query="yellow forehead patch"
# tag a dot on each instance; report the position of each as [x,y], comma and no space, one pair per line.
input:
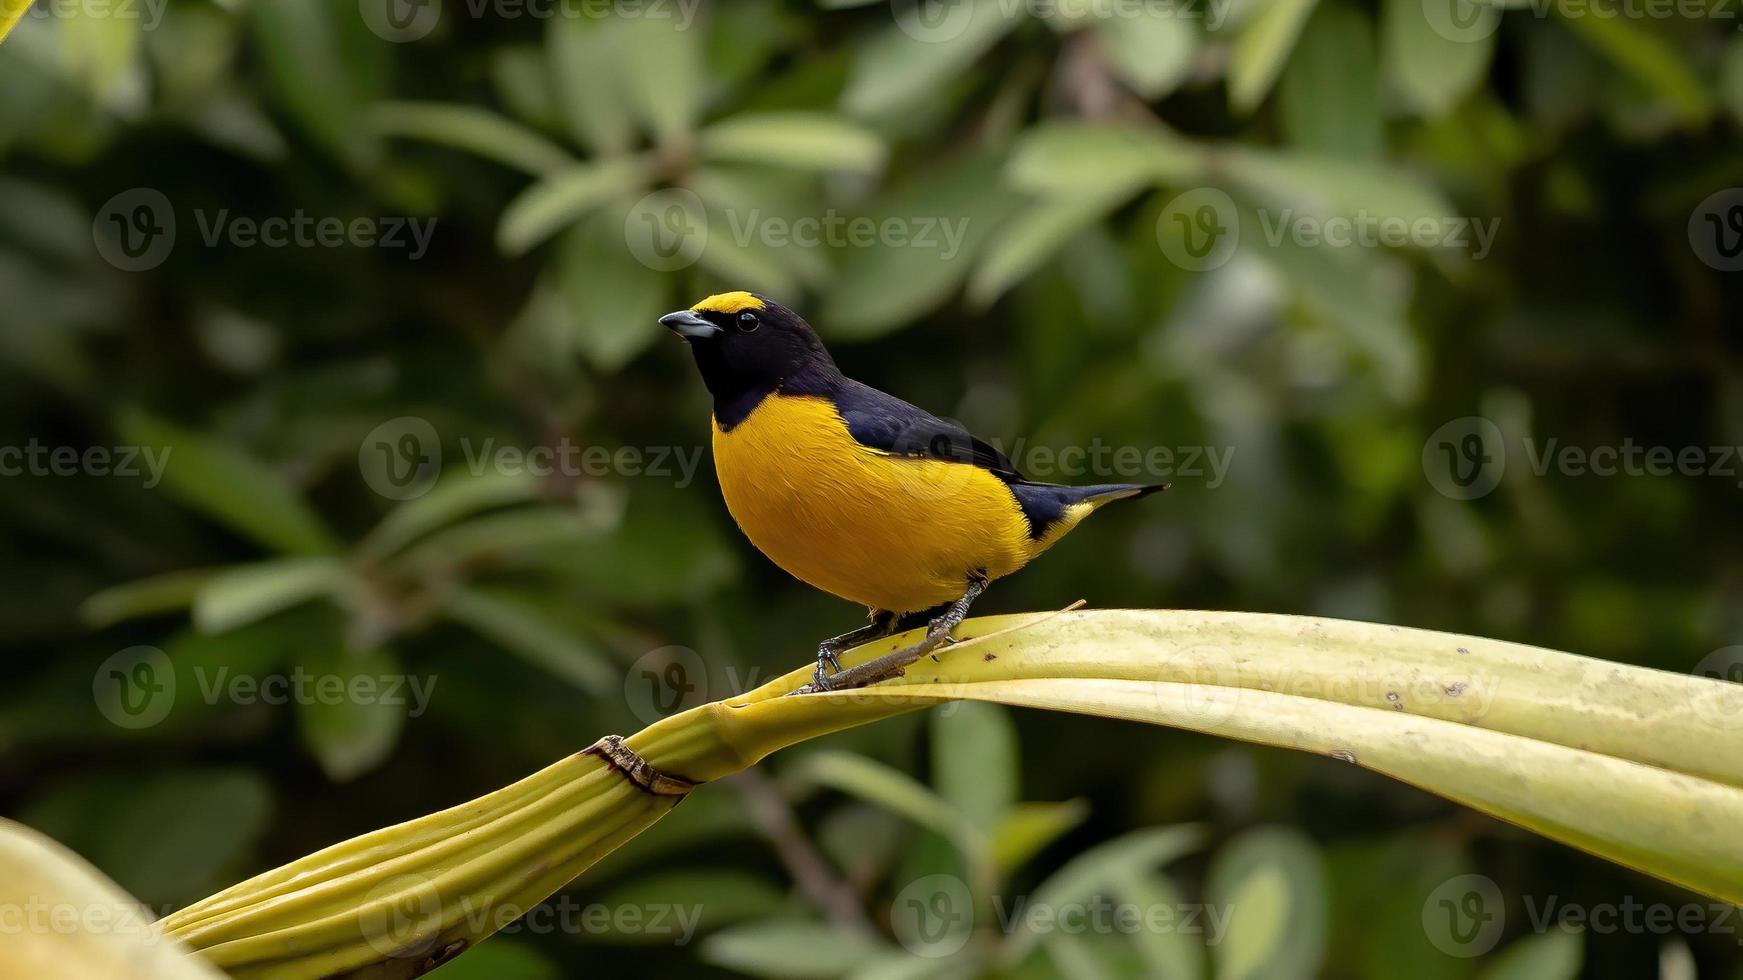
[736,301]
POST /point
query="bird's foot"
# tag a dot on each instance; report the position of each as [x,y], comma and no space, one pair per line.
[828,664]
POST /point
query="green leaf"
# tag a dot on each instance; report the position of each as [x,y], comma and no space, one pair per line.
[322,63]
[668,548]
[474,130]
[152,596]
[521,78]
[242,595]
[587,73]
[1346,291]
[1329,97]
[456,496]
[1324,187]
[690,902]
[751,264]
[743,205]
[662,71]
[803,140]
[801,950]
[1096,159]
[616,300]
[102,52]
[1652,60]
[1174,953]
[1034,236]
[879,289]
[1260,908]
[912,61]
[563,198]
[508,539]
[891,789]
[1554,955]
[975,762]
[1261,49]
[229,487]
[1731,78]
[507,619]
[1431,72]
[1030,827]
[344,716]
[1271,886]
[164,836]
[1675,962]
[1100,868]
[1079,957]
[1151,52]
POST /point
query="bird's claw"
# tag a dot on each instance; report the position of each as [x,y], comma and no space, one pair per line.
[827,664]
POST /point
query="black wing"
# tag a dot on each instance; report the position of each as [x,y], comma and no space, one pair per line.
[883,421]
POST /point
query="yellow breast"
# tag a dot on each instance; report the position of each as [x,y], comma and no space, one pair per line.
[883,531]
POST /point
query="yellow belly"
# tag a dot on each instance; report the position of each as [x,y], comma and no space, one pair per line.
[883,531]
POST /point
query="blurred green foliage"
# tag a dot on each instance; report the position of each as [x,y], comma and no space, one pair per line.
[539,613]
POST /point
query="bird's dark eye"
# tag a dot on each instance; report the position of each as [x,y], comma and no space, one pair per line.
[747,322]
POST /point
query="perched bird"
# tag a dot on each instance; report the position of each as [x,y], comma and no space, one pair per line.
[858,493]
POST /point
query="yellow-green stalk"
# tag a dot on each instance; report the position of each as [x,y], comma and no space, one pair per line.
[1636,765]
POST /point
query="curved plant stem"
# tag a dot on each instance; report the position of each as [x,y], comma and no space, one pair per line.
[1639,766]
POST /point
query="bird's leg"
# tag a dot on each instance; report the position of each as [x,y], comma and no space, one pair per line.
[893,664]
[829,651]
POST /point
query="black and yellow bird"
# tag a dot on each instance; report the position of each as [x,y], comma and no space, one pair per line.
[859,493]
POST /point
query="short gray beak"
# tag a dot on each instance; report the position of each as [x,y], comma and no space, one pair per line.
[687,324]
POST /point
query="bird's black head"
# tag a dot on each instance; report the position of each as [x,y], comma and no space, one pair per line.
[747,345]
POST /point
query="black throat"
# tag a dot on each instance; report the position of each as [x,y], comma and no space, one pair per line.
[737,392]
